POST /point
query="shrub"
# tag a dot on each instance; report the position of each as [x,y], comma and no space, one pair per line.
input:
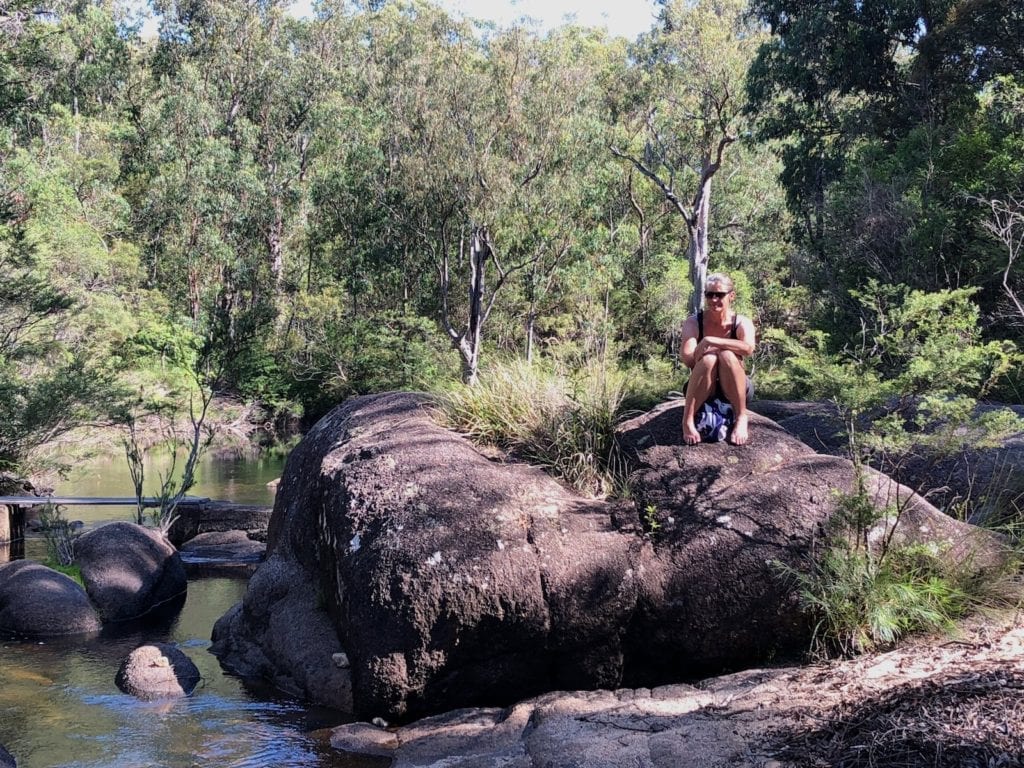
[864,591]
[905,392]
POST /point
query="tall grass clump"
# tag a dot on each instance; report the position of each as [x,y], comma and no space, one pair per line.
[59,535]
[564,422]
[864,591]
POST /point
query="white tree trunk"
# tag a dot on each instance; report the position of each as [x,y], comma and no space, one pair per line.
[469,345]
[697,248]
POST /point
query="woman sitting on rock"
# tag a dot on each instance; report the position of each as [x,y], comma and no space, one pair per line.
[715,343]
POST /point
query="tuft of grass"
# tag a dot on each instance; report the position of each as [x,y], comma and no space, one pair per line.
[72,571]
[866,591]
[861,600]
[862,603]
[562,422]
[59,535]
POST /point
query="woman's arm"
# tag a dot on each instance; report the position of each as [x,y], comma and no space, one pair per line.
[743,345]
[688,345]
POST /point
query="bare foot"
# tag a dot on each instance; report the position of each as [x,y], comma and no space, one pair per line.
[690,434]
[739,435]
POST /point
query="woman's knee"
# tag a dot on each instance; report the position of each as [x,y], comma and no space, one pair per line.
[708,362]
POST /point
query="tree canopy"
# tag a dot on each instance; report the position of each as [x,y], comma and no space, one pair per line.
[385,196]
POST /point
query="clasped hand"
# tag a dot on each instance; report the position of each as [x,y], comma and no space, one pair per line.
[704,347]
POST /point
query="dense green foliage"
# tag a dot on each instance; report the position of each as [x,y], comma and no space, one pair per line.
[905,395]
[897,119]
[385,196]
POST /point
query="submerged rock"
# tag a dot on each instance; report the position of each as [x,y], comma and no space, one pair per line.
[222,547]
[36,601]
[218,517]
[157,671]
[450,580]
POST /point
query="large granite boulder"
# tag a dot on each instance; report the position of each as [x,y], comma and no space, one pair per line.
[36,601]
[129,570]
[727,516]
[982,481]
[157,671]
[408,574]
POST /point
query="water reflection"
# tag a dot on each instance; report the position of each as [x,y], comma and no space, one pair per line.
[61,707]
[242,480]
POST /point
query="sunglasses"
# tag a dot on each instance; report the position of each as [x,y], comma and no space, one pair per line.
[716,294]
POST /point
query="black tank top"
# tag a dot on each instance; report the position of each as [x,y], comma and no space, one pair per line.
[700,325]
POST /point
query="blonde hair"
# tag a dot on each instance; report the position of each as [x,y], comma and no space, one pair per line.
[720,278]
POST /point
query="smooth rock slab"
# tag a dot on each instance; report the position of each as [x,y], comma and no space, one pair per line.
[157,671]
[660,728]
[217,517]
[223,547]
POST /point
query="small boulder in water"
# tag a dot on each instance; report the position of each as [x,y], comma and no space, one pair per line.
[157,671]
[36,601]
[129,570]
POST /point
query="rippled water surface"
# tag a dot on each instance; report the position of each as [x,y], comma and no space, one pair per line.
[60,708]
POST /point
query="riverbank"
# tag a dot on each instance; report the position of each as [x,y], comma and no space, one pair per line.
[236,430]
[939,701]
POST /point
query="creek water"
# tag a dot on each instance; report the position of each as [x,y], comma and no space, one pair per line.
[59,707]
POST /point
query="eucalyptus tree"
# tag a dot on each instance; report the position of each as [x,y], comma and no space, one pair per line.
[880,109]
[49,384]
[687,110]
[357,320]
[556,161]
[224,185]
[61,225]
[441,132]
[482,128]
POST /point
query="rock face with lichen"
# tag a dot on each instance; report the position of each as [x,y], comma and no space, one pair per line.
[451,580]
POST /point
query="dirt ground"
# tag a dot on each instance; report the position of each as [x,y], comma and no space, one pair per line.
[932,702]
